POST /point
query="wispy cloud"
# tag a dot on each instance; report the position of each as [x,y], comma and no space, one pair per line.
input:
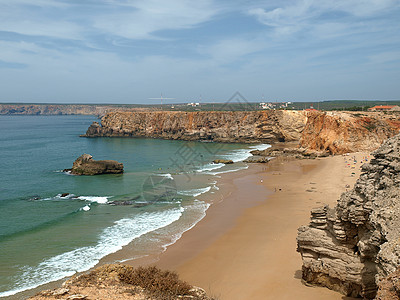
[293,16]
[101,50]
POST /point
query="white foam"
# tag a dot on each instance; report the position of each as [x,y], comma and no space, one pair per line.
[85,208]
[242,154]
[101,200]
[198,205]
[210,167]
[166,175]
[228,171]
[58,197]
[111,240]
[195,192]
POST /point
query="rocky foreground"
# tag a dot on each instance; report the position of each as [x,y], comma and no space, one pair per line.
[117,281]
[334,132]
[353,247]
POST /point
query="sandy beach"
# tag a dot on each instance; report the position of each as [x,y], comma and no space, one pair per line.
[245,248]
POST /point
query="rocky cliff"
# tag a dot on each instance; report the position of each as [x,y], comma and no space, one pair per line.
[239,126]
[335,132]
[343,132]
[351,247]
[57,109]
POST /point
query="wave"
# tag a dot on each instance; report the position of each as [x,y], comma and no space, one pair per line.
[202,208]
[85,208]
[111,240]
[100,200]
[210,167]
[242,154]
[228,171]
[168,175]
[195,192]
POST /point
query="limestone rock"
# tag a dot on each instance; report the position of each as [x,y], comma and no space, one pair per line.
[257,159]
[217,126]
[389,288]
[318,133]
[352,247]
[86,165]
[223,161]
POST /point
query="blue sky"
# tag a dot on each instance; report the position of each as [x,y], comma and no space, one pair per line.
[126,51]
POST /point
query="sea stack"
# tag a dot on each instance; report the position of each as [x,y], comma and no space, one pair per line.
[86,165]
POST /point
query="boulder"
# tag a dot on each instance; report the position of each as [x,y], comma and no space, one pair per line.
[86,165]
[257,159]
[223,161]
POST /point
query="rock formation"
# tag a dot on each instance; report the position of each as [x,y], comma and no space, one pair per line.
[334,132]
[340,132]
[121,282]
[222,126]
[223,161]
[86,165]
[389,287]
[352,247]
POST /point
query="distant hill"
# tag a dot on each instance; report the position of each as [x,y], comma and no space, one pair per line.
[101,109]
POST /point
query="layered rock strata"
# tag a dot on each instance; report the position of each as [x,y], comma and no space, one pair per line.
[86,165]
[332,132]
[351,247]
[240,126]
[342,132]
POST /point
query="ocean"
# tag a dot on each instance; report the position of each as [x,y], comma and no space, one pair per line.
[53,224]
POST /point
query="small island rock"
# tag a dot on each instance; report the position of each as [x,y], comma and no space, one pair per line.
[86,165]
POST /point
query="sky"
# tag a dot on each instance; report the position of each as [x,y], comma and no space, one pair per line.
[128,51]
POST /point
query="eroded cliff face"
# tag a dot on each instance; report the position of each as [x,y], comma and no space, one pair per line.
[335,132]
[239,126]
[356,244]
[340,132]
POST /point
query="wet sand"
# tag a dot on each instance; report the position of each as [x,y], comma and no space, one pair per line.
[245,248]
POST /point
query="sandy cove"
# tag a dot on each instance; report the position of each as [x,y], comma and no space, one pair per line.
[245,248]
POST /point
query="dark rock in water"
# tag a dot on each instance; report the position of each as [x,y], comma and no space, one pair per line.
[223,161]
[121,202]
[65,195]
[86,165]
[93,130]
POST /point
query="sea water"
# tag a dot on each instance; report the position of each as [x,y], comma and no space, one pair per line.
[46,236]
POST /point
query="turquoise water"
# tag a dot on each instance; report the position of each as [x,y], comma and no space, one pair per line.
[46,237]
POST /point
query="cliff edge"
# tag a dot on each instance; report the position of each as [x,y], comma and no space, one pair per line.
[334,132]
[226,126]
[353,246]
[118,281]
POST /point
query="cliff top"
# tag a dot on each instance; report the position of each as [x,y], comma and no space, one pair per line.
[119,282]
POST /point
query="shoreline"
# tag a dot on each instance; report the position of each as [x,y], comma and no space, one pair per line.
[200,255]
[253,255]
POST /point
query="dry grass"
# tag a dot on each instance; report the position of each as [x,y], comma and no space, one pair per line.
[163,284]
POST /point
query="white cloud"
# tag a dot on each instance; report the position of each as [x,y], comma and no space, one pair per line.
[132,19]
[292,16]
[141,19]
[230,50]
